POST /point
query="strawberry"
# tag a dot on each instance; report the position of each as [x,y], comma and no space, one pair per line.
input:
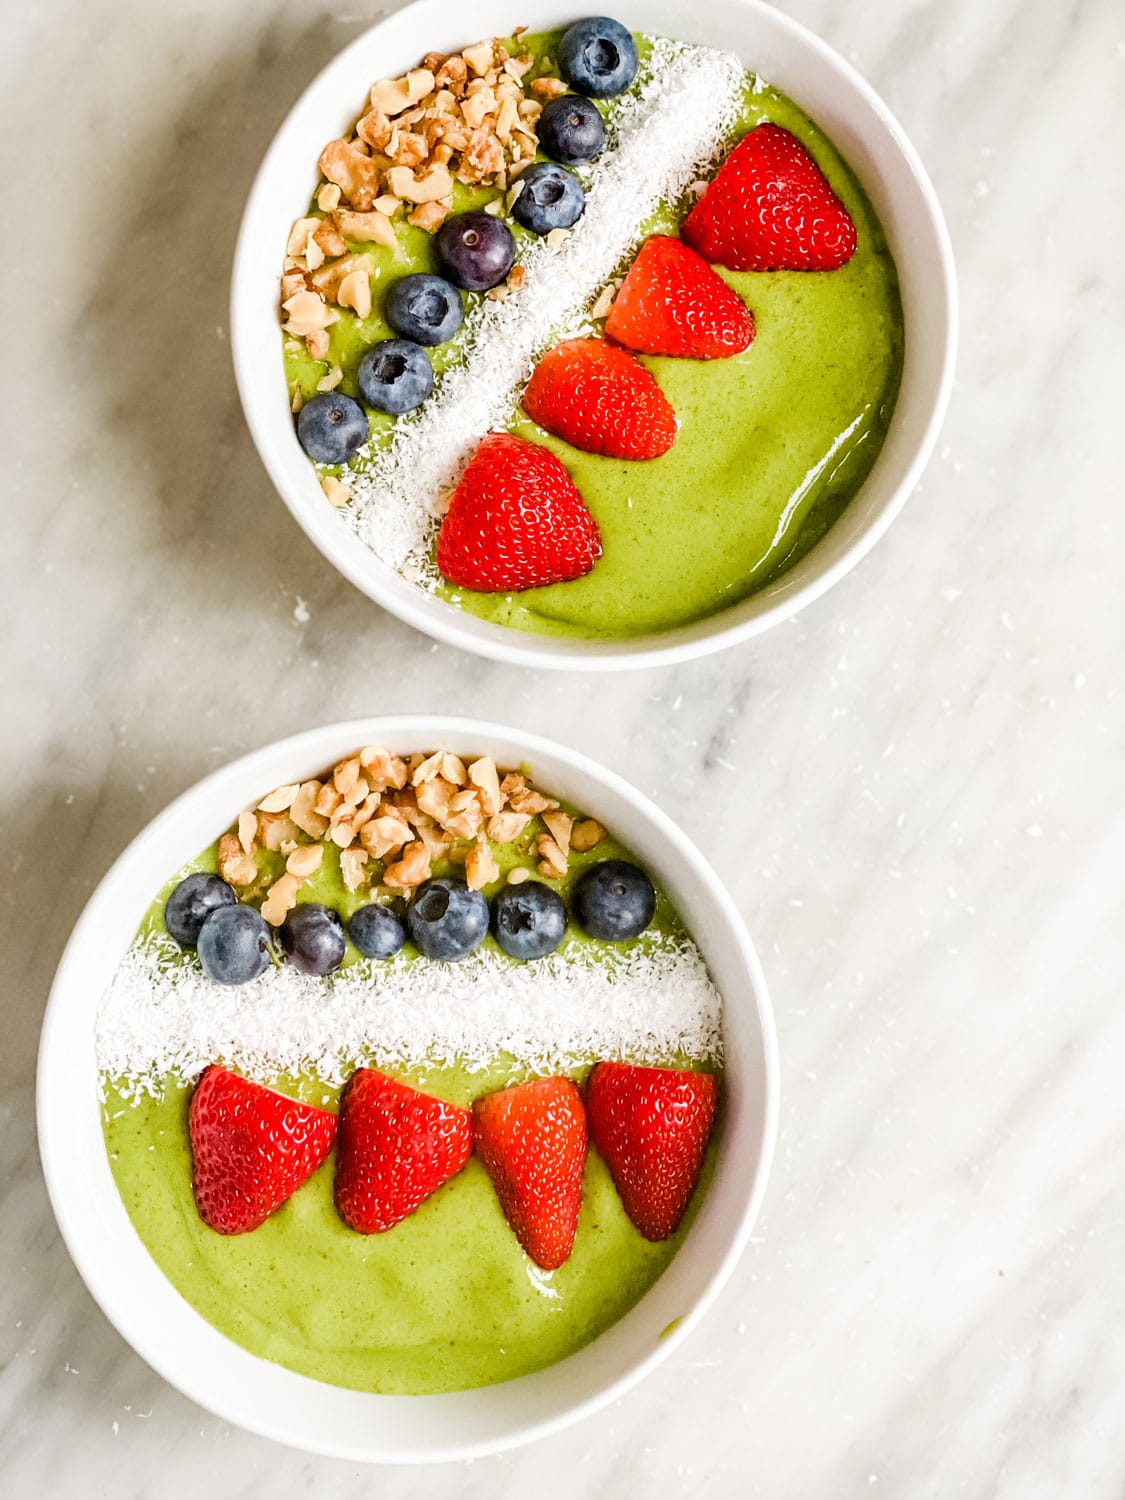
[651,1127]
[671,302]
[252,1149]
[600,399]
[397,1146]
[532,1141]
[515,521]
[770,209]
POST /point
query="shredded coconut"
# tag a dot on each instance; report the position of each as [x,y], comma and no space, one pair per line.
[162,1019]
[661,137]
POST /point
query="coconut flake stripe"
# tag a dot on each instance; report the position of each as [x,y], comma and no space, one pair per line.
[661,137]
[161,1018]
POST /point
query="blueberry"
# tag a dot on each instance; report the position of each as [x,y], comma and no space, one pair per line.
[614,900]
[234,944]
[312,938]
[571,130]
[331,428]
[528,920]
[376,931]
[193,900]
[549,198]
[426,309]
[476,251]
[395,375]
[447,920]
[598,57]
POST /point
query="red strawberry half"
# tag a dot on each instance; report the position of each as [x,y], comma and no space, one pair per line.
[651,1126]
[397,1146]
[532,1141]
[770,209]
[516,521]
[252,1149]
[671,302]
[600,399]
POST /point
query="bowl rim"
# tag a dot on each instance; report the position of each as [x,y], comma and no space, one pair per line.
[55,1109]
[777,602]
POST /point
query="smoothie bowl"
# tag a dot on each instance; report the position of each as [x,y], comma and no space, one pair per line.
[407,1089]
[599,340]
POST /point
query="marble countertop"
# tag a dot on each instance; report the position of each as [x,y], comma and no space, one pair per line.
[913,790]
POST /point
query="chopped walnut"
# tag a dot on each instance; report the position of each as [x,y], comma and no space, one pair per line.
[247,831]
[303,807]
[235,865]
[280,799]
[276,830]
[305,860]
[353,868]
[281,899]
[480,867]
[483,775]
[586,835]
[382,768]
[410,870]
[518,875]
[558,825]
[506,827]
[552,861]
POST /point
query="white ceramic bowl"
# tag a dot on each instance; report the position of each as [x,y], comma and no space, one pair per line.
[294,1409]
[787,56]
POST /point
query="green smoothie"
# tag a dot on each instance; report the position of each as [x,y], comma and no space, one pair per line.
[447,1299]
[772,444]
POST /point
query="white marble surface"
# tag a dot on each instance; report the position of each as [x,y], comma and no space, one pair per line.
[914,790]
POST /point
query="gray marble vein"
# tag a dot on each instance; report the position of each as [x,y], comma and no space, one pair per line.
[914,791]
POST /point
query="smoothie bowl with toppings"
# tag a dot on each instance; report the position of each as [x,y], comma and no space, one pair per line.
[586,341]
[407,1089]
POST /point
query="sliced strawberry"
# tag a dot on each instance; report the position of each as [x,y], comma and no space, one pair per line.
[671,302]
[516,521]
[600,399]
[651,1126]
[397,1146]
[252,1149]
[770,209]
[532,1141]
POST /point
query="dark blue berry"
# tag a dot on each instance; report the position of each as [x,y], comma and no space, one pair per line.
[192,902]
[331,428]
[549,198]
[528,920]
[614,900]
[571,130]
[598,57]
[312,938]
[424,308]
[447,920]
[395,376]
[234,945]
[476,251]
[376,931]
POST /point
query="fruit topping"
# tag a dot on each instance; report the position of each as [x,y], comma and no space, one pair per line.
[395,376]
[614,900]
[424,308]
[770,208]
[476,250]
[192,902]
[396,1147]
[532,1142]
[528,920]
[331,428]
[251,1148]
[671,302]
[571,130]
[515,521]
[598,57]
[376,931]
[234,945]
[651,1126]
[447,920]
[548,197]
[312,938]
[600,399]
